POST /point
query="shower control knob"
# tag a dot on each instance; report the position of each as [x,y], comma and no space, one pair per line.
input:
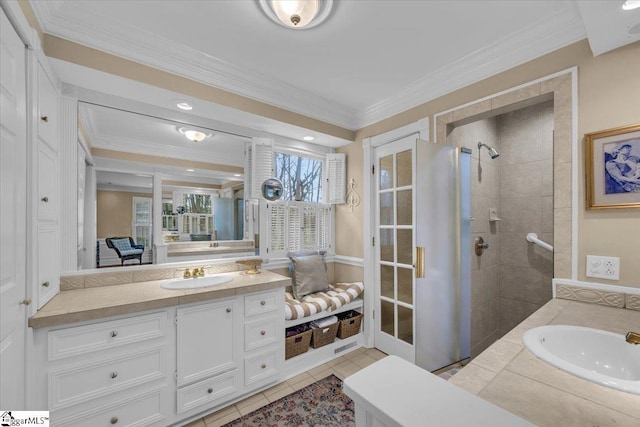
[480,246]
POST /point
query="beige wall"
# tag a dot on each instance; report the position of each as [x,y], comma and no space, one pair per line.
[115,210]
[607,98]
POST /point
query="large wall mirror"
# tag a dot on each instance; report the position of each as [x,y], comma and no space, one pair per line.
[139,163]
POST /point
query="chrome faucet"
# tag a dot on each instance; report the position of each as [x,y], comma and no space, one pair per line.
[632,338]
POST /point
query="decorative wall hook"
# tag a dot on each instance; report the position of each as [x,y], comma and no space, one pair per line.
[352,198]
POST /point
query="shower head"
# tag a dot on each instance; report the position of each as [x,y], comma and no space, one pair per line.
[492,151]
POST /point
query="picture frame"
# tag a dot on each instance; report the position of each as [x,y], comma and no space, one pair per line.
[612,165]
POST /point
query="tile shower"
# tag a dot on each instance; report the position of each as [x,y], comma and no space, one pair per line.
[512,279]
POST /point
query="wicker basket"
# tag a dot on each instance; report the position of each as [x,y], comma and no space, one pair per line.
[349,327]
[324,336]
[297,344]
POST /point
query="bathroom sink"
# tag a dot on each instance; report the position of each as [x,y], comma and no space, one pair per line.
[599,356]
[198,282]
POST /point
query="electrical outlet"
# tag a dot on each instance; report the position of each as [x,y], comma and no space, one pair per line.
[603,267]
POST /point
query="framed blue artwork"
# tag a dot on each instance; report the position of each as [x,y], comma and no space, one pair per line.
[613,168]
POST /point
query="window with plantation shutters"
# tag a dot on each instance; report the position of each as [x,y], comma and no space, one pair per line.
[336,177]
[307,225]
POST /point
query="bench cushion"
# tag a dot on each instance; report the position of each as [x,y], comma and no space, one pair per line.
[331,300]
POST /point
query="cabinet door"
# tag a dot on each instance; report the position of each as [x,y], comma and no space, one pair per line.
[48,259]
[47,184]
[207,340]
[47,110]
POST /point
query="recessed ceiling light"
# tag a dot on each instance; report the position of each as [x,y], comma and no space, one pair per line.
[184,105]
[190,170]
[308,138]
[631,4]
[237,174]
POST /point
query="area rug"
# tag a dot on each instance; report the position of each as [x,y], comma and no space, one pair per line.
[320,404]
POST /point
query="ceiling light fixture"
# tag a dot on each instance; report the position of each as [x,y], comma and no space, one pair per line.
[631,4]
[191,170]
[194,135]
[308,138]
[183,105]
[297,14]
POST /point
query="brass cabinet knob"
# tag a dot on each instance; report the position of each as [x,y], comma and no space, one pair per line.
[114,420]
[263,302]
[264,365]
[46,284]
[45,199]
[114,374]
[228,310]
[114,334]
[210,390]
[45,119]
[263,332]
[26,301]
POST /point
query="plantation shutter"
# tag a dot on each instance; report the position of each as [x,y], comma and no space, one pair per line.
[261,169]
[293,226]
[324,227]
[276,230]
[310,228]
[336,177]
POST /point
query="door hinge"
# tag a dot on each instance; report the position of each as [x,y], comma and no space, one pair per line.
[175,375]
[373,241]
[374,315]
[373,169]
[176,320]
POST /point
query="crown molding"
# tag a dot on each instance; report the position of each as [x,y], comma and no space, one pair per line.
[542,37]
[147,48]
[533,41]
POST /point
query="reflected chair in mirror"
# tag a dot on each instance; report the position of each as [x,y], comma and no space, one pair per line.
[126,248]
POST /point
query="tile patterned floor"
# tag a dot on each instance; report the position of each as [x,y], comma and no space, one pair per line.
[341,367]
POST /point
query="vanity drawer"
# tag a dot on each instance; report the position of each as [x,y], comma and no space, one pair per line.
[260,367]
[81,383]
[85,339]
[260,333]
[141,410]
[263,302]
[207,391]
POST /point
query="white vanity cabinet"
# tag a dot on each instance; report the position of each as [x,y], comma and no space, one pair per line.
[115,371]
[161,367]
[263,337]
[228,348]
[207,353]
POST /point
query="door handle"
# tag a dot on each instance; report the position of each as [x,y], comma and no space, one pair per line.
[419,262]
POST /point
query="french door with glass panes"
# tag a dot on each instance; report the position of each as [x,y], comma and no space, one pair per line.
[141,227]
[394,242]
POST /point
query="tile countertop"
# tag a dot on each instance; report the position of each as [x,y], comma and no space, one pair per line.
[508,375]
[79,305]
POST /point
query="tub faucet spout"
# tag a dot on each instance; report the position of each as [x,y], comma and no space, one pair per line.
[633,338]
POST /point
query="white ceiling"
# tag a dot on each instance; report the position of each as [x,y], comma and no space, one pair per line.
[370,60]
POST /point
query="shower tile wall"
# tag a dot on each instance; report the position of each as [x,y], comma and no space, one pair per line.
[512,278]
[526,206]
[485,192]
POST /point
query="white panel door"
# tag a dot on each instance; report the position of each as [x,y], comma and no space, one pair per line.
[13,178]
